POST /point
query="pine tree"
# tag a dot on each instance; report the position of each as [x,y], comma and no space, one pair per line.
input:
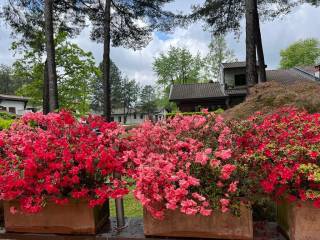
[37,22]
[218,54]
[118,23]
[225,16]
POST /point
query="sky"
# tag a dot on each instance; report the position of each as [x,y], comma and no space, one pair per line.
[303,22]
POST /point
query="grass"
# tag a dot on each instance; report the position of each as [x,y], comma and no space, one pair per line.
[132,208]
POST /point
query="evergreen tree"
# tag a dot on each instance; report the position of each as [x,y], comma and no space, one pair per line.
[119,22]
[148,99]
[225,16]
[116,89]
[37,22]
[218,54]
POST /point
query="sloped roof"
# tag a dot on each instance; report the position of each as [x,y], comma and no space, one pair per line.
[13,98]
[196,91]
[236,91]
[234,64]
[288,76]
[240,64]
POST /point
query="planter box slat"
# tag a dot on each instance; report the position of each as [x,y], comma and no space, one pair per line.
[72,218]
[218,225]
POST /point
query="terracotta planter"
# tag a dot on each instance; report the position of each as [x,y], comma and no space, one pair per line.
[73,218]
[299,221]
[218,225]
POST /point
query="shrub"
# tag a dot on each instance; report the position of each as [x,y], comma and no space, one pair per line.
[282,150]
[5,123]
[56,157]
[173,114]
[7,116]
[270,96]
[186,164]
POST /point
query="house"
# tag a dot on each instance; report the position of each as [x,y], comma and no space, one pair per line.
[231,89]
[135,116]
[13,104]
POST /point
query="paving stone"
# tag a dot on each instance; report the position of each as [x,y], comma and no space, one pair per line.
[134,231]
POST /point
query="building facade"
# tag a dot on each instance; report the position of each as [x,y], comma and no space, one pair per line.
[135,116]
[231,87]
[13,104]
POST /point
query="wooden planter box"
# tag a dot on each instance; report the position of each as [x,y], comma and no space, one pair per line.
[218,225]
[73,218]
[1,212]
[299,221]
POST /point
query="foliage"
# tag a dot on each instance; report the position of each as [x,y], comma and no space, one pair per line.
[132,22]
[218,54]
[124,92]
[30,68]
[177,66]
[116,89]
[173,114]
[185,163]
[130,93]
[5,123]
[56,157]
[222,17]
[9,83]
[76,72]
[148,100]
[7,116]
[281,150]
[270,96]
[301,53]
[26,19]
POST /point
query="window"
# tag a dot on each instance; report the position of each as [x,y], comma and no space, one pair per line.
[112,119]
[119,119]
[2,108]
[135,116]
[141,116]
[125,119]
[240,80]
[12,110]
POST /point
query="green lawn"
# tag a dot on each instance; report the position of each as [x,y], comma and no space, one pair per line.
[132,208]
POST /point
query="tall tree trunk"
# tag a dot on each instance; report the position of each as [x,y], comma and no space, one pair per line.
[106,62]
[52,74]
[251,59]
[45,97]
[262,65]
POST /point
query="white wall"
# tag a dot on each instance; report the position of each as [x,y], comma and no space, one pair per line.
[19,106]
[130,118]
[133,121]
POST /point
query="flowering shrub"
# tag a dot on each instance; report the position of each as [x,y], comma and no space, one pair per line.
[55,157]
[282,150]
[185,163]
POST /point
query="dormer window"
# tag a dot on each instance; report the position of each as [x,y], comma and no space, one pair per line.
[240,80]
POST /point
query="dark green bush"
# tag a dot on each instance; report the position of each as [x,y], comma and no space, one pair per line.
[218,111]
[7,116]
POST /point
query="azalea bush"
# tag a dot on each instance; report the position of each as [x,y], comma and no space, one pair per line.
[57,158]
[186,164]
[282,150]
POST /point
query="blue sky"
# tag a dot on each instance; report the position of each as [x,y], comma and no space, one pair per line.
[302,22]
